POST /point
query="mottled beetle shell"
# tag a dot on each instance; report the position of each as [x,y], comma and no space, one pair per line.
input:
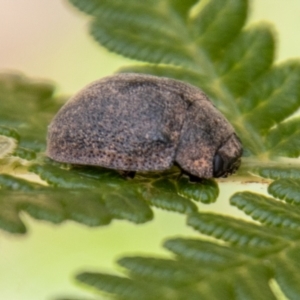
[140,122]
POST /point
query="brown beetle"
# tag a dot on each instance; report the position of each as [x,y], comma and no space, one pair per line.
[135,122]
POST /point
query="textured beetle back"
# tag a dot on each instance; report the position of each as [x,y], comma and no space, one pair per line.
[126,122]
[137,122]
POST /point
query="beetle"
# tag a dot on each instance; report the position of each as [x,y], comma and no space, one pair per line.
[136,122]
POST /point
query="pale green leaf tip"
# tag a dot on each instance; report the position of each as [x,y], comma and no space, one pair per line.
[7,146]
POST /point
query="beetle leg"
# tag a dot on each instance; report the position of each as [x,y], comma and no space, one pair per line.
[128,174]
[192,178]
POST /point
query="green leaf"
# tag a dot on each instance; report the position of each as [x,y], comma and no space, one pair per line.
[267,210]
[284,267]
[12,183]
[284,139]
[37,100]
[59,177]
[247,288]
[89,210]
[9,132]
[213,24]
[7,146]
[19,151]
[151,31]
[286,189]
[134,25]
[157,269]
[168,200]
[9,218]
[53,205]
[34,203]
[236,68]
[89,195]
[204,253]
[275,97]
[277,172]
[231,230]
[126,288]
[241,263]
[205,191]
[128,205]
[182,7]
[24,153]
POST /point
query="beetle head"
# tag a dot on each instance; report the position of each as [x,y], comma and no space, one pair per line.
[227,158]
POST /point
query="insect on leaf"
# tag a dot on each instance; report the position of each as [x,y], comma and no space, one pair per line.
[88,195]
[221,57]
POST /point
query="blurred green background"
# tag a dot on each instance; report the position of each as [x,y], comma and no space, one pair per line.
[48,39]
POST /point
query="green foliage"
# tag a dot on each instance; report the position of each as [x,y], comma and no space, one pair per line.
[248,257]
[88,196]
[27,122]
[283,170]
[206,44]
[7,146]
[207,194]
[286,189]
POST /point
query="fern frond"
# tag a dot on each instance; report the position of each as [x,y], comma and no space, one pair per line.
[205,191]
[239,65]
[286,170]
[229,229]
[267,210]
[284,139]
[286,189]
[240,265]
[213,24]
